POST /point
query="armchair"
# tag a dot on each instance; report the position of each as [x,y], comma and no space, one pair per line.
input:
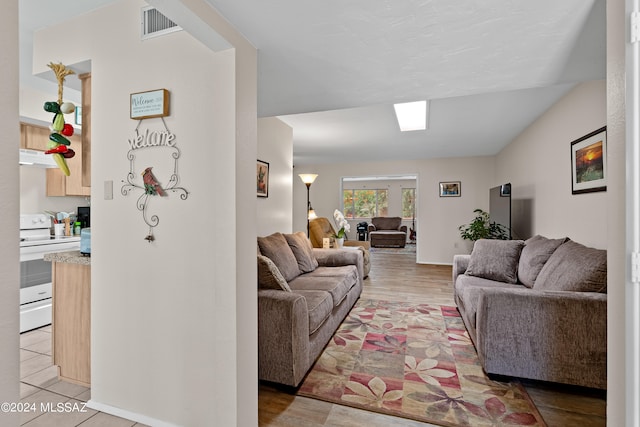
[387,231]
[321,227]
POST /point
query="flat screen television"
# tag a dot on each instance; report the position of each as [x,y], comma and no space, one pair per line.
[500,206]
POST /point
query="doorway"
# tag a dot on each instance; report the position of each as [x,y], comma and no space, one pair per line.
[365,197]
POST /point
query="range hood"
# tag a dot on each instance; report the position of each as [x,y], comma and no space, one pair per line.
[36,159]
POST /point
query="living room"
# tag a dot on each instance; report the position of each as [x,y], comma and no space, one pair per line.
[554,212]
[537,163]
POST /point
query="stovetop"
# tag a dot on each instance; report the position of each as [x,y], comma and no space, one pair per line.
[35,230]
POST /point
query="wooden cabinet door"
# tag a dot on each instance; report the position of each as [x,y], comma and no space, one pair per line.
[60,185]
[72,321]
[34,137]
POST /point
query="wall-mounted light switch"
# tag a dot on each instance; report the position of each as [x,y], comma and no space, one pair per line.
[108,190]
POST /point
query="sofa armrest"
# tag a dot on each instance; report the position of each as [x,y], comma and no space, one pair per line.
[341,257]
[283,336]
[548,335]
[353,243]
[460,264]
[403,228]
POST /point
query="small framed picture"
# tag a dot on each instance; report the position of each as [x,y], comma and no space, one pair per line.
[589,162]
[450,189]
[262,178]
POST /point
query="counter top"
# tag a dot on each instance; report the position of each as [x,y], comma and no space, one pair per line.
[70,257]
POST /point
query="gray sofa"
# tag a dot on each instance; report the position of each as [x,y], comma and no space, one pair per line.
[536,309]
[304,293]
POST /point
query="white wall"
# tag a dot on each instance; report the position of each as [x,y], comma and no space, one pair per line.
[275,146]
[165,315]
[438,217]
[537,164]
[9,261]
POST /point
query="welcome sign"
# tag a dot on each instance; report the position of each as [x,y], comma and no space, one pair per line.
[146,105]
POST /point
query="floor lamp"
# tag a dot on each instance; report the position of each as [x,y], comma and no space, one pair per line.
[308,179]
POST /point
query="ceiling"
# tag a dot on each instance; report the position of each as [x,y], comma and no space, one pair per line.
[333,69]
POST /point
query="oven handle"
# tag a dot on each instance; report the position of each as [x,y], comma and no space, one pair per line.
[30,253]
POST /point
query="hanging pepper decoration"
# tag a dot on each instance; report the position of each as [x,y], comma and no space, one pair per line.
[58,126]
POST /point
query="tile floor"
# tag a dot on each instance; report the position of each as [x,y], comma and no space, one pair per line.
[41,389]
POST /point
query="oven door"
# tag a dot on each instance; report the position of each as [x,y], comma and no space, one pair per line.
[35,283]
[34,270]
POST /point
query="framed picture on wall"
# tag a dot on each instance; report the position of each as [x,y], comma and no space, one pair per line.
[262,178]
[450,189]
[589,163]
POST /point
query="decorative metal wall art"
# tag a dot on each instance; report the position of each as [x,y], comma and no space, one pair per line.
[150,186]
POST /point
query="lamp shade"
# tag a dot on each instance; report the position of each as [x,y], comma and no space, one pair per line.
[311,214]
[308,178]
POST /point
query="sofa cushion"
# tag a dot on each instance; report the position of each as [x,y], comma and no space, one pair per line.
[276,248]
[348,271]
[574,267]
[303,251]
[337,286]
[495,260]
[269,277]
[535,254]
[319,307]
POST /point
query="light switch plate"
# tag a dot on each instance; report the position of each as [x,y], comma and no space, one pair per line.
[108,190]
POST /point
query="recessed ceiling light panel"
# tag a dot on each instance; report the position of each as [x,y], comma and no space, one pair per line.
[411,115]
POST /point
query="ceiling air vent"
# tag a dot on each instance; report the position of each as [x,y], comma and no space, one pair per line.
[155,24]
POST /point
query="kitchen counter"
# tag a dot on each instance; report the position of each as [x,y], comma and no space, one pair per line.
[69,257]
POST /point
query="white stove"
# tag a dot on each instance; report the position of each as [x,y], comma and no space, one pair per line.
[35,273]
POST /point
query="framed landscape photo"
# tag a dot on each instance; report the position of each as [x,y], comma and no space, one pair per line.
[450,189]
[262,178]
[589,163]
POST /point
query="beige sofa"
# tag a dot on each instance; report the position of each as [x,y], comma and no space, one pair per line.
[536,309]
[304,293]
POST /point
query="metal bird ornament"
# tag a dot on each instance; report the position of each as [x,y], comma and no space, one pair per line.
[151,185]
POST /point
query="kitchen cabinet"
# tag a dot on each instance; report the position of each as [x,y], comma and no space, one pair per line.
[79,182]
[34,137]
[85,79]
[58,184]
[71,325]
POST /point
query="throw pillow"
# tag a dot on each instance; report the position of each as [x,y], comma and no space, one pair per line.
[495,260]
[269,277]
[276,248]
[535,254]
[574,267]
[303,251]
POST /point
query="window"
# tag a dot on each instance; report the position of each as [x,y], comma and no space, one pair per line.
[408,203]
[365,203]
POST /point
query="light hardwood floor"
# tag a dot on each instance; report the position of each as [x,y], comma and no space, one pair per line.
[397,277]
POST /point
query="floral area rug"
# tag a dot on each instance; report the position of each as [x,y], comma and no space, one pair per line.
[414,361]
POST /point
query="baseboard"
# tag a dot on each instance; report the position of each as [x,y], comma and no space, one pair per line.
[133,416]
[434,263]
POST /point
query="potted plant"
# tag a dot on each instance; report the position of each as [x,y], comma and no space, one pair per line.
[343,227]
[482,228]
